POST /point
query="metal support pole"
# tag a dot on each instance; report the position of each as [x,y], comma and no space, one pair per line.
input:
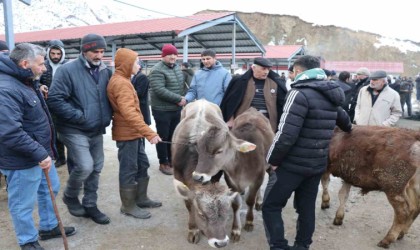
[8,23]
[185,50]
[233,66]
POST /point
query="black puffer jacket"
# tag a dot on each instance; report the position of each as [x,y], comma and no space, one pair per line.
[311,111]
[26,129]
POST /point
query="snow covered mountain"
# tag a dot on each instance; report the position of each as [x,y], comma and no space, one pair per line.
[52,14]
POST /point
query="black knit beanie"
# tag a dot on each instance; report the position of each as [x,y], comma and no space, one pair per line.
[92,42]
[3,45]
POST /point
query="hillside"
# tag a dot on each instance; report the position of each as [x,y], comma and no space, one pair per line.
[331,42]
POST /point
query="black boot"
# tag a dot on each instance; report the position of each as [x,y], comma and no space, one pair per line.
[32,246]
[142,200]
[97,216]
[74,206]
[56,233]
[297,246]
[128,200]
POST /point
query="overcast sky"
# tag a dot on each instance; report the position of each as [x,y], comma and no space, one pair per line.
[398,19]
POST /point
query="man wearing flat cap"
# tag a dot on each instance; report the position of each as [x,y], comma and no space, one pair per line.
[78,99]
[377,103]
[259,87]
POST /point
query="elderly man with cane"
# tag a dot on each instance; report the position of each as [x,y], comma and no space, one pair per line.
[26,147]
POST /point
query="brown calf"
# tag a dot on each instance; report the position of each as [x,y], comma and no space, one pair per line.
[208,205]
[378,159]
[240,153]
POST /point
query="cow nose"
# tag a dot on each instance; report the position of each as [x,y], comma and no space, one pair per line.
[197,177]
[220,244]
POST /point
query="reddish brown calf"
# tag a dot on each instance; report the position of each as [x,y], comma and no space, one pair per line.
[378,159]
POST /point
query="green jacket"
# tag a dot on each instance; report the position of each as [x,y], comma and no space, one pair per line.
[166,87]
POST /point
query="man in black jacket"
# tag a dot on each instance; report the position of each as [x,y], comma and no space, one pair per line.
[300,150]
[362,76]
[55,58]
[259,87]
[26,146]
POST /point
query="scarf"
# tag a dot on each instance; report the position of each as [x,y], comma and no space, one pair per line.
[315,73]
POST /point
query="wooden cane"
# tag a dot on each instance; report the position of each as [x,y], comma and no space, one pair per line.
[60,224]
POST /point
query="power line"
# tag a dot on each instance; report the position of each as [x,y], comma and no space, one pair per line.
[166,14]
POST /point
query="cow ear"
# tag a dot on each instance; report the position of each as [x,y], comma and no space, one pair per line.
[182,189]
[244,146]
[235,197]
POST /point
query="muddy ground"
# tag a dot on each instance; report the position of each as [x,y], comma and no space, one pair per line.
[367,220]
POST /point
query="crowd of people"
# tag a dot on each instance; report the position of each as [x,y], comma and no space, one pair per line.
[54,112]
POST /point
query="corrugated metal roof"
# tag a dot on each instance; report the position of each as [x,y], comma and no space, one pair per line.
[282,51]
[353,66]
[146,37]
[176,24]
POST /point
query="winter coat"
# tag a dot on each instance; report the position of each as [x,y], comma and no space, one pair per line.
[188,76]
[79,102]
[141,85]
[385,112]
[311,111]
[239,94]
[353,96]
[209,83]
[47,77]
[166,87]
[128,123]
[26,129]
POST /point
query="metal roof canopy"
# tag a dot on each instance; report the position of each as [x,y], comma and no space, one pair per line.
[223,32]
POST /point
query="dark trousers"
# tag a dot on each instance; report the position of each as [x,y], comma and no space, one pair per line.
[279,188]
[166,122]
[405,98]
[58,144]
[133,161]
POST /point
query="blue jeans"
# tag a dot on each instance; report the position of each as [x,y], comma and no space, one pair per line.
[25,187]
[87,156]
[133,161]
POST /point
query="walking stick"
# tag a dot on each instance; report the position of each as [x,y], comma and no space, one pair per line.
[60,224]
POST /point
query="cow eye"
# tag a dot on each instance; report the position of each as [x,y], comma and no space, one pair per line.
[218,152]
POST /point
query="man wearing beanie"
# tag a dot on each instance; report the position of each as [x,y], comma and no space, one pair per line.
[79,100]
[55,58]
[3,47]
[167,86]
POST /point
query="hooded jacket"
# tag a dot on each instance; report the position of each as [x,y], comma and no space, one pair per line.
[311,111]
[26,129]
[47,77]
[128,123]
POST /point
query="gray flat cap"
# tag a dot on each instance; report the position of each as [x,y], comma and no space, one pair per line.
[263,62]
[378,74]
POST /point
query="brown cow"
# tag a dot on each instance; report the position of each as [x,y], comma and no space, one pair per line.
[378,159]
[243,164]
[207,205]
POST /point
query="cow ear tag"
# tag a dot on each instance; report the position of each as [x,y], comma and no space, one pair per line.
[246,147]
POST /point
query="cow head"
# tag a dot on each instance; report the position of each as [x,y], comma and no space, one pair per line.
[217,149]
[210,205]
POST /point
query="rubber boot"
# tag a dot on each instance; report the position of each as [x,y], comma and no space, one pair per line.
[128,200]
[142,200]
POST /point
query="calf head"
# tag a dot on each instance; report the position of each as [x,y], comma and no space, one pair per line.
[210,206]
[217,149]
